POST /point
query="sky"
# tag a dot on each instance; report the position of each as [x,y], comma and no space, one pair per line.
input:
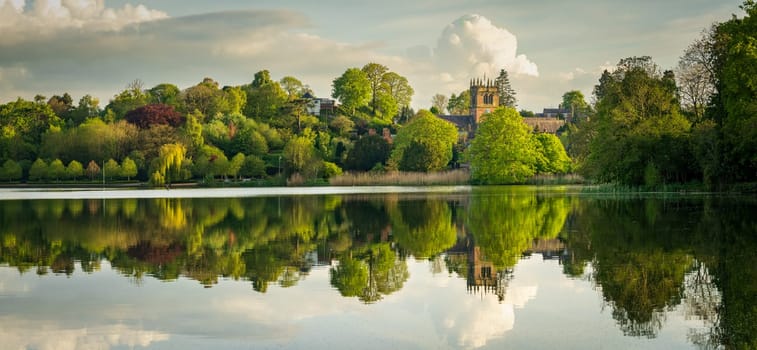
[97,47]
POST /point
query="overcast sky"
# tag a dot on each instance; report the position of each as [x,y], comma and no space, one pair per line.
[549,47]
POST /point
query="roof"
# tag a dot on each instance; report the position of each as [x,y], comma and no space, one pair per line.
[462,122]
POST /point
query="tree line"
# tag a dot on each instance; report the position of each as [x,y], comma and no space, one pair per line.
[264,129]
[692,124]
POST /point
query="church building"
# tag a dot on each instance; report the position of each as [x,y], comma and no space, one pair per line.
[484,96]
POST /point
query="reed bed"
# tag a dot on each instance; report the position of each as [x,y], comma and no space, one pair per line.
[400,178]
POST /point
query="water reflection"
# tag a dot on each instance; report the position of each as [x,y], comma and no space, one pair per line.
[646,257]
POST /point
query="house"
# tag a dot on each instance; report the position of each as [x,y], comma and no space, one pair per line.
[319,106]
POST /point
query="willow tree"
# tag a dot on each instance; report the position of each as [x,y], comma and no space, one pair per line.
[169,160]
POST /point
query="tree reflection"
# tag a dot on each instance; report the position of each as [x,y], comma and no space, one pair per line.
[652,255]
[370,273]
[506,226]
[645,256]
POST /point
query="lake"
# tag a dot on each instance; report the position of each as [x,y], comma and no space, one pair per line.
[448,267]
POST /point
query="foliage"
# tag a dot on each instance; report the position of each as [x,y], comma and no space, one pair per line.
[56,170]
[74,170]
[352,89]
[435,136]
[154,114]
[575,102]
[10,171]
[367,152]
[460,104]
[503,151]
[128,168]
[112,169]
[92,169]
[551,155]
[735,101]
[170,159]
[38,170]
[506,92]
[637,122]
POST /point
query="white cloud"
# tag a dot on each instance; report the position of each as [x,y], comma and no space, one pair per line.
[23,22]
[473,46]
[568,76]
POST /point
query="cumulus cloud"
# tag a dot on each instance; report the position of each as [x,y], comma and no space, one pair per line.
[473,46]
[24,21]
[95,48]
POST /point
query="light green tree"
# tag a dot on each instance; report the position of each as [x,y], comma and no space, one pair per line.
[38,170]
[112,169]
[128,168]
[170,158]
[74,170]
[435,136]
[375,74]
[235,165]
[352,89]
[552,158]
[56,170]
[292,86]
[502,151]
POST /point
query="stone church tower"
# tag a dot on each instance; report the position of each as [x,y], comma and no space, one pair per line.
[484,97]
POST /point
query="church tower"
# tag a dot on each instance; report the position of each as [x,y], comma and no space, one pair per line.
[484,96]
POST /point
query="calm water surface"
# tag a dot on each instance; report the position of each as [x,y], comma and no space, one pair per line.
[515,267]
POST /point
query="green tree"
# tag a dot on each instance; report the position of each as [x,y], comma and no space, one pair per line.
[342,125]
[74,170]
[89,107]
[56,170]
[235,165]
[552,158]
[131,98]
[637,123]
[253,167]
[435,135]
[170,159]
[299,153]
[128,168]
[22,126]
[367,152]
[398,88]
[293,87]
[10,171]
[735,102]
[38,170]
[506,92]
[352,89]
[375,74]
[574,102]
[265,97]
[167,94]
[112,169]
[502,151]
[460,104]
